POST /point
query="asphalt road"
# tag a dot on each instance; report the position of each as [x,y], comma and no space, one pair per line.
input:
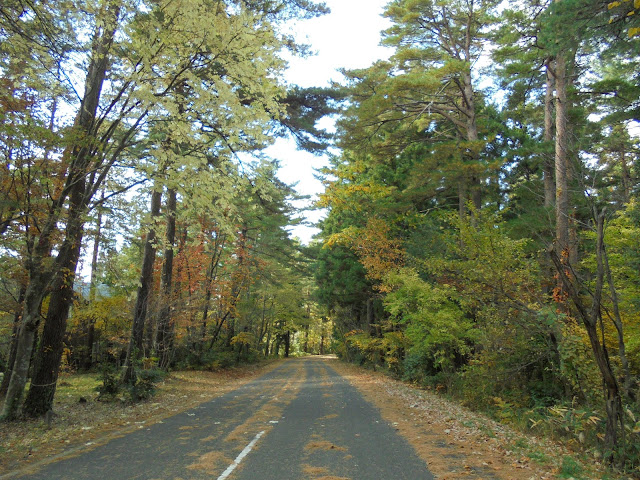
[300,421]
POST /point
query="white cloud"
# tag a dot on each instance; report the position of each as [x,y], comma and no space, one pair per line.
[349,38]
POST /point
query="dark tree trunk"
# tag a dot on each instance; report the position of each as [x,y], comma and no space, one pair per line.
[14,343]
[87,361]
[49,354]
[134,351]
[164,333]
[590,319]
[617,321]
[287,343]
[371,318]
[562,82]
[211,276]
[78,158]
[267,344]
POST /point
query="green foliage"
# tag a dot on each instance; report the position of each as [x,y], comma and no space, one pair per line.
[570,468]
[110,387]
[145,386]
[437,330]
[141,389]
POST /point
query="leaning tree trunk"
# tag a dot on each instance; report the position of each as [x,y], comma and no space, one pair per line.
[48,357]
[134,351]
[590,319]
[39,282]
[77,157]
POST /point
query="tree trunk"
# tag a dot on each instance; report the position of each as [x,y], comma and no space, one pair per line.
[87,360]
[49,355]
[548,167]
[626,177]
[469,110]
[77,157]
[134,351]
[267,344]
[287,343]
[562,81]
[462,198]
[14,343]
[164,334]
[613,400]
[211,276]
[617,321]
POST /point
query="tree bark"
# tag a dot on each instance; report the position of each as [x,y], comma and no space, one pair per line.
[87,361]
[626,177]
[164,334]
[548,166]
[77,157]
[617,321]
[134,351]
[211,276]
[49,354]
[14,343]
[287,343]
[562,81]
[469,110]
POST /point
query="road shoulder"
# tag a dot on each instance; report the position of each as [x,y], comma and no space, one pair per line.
[79,426]
[455,442]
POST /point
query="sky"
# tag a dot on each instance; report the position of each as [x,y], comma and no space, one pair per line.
[349,38]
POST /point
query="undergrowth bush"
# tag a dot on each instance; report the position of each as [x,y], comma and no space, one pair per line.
[142,388]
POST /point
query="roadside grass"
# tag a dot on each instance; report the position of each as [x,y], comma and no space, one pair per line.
[81,419]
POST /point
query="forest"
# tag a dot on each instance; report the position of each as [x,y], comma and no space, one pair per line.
[483,217]
[482,225]
[141,224]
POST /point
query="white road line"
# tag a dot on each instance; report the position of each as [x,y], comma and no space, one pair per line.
[239,458]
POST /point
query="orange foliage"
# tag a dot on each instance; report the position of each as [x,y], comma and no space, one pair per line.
[378,251]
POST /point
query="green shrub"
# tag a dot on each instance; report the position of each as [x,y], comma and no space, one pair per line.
[145,385]
[220,360]
[142,389]
[110,386]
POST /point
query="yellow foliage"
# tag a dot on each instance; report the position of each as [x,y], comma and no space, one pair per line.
[243,338]
[378,251]
[633,31]
[344,238]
